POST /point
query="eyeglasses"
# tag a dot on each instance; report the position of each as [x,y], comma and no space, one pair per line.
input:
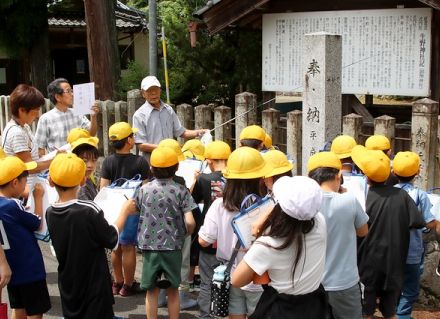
[68,91]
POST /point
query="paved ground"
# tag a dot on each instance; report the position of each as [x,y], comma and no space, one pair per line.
[127,307]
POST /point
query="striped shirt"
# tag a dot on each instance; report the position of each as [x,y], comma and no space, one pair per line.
[17,139]
[54,126]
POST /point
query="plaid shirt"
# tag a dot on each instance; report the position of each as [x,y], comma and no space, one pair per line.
[54,126]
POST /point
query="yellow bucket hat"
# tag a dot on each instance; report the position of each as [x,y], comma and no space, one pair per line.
[378,142]
[218,150]
[253,132]
[324,159]
[163,157]
[279,162]
[93,141]
[342,146]
[12,167]
[194,148]
[246,163]
[120,130]
[77,133]
[67,170]
[174,145]
[406,164]
[374,163]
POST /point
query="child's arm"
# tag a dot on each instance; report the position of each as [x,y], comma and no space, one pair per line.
[38,193]
[129,208]
[103,183]
[5,270]
[190,222]
[243,275]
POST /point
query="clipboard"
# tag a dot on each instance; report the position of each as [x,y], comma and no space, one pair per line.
[358,186]
[242,223]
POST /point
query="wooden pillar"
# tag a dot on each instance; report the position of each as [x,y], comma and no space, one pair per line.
[203,116]
[185,113]
[108,118]
[134,101]
[222,114]
[243,103]
[271,120]
[294,138]
[352,126]
[385,125]
[424,130]
[121,111]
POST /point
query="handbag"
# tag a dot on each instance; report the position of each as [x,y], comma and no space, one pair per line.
[221,280]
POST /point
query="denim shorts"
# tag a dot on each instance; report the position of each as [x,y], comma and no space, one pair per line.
[243,302]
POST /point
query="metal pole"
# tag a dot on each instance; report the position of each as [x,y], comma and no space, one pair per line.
[164,49]
[152,26]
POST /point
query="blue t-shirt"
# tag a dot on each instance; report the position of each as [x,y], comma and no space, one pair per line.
[23,254]
[343,215]
[416,248]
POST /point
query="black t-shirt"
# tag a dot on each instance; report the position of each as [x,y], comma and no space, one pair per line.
[124,166]
[382,253]
[208,188]
[79,235]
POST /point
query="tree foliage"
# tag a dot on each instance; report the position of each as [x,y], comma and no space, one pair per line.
[219,67]
[21,24]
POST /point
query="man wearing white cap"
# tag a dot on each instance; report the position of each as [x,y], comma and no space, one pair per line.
[157,120]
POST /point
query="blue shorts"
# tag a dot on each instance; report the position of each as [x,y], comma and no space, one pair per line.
[128,236]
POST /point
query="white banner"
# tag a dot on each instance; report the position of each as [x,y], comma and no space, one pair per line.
[384,52]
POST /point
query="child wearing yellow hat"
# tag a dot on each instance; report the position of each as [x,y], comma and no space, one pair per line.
[382,253]
[124,165]
[281,166]
[244,170]
[27,289]
[253,136]
[342,146]
[86,148]
[406,166]
[165,221]
[79,234]
[194,149]
[209,187]
[346,220]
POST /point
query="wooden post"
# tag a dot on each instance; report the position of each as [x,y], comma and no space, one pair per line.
[121,111]
[352,126]
[437,157]
[385,125]
[243,103]
[108,112]
[293,140]
[134,101]
[185,113]
[223,133]
[203,116]
[424,130]
[271,120]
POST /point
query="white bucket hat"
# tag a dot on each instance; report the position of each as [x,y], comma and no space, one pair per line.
[299,197]
[149,81]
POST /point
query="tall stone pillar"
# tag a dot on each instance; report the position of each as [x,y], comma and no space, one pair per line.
[424,127]
[322,99]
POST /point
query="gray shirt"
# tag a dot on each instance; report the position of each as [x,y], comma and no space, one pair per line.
[156,125]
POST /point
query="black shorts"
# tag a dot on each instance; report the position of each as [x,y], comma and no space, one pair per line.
[195,246]
[33,297]
[388,300]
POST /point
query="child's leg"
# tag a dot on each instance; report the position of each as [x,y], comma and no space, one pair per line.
[18,314]
[128,263]
[151,303]
[173,303]
[117,265]
[410,290]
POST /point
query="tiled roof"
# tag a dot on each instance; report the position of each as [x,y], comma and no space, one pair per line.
[127,19]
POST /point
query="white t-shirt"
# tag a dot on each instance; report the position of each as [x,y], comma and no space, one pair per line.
[279,263]
[217,228]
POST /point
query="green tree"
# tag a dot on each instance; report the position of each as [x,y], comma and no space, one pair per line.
[219,67]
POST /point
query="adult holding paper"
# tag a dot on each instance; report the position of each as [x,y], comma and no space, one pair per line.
[157,120]
[55,125]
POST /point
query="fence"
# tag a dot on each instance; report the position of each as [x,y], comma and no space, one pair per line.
[285,129]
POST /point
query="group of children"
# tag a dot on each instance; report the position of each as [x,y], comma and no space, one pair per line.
[315,247]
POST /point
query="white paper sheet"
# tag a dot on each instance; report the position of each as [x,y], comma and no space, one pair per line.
[187,169]
[83,98]
[51,155]
[357,185]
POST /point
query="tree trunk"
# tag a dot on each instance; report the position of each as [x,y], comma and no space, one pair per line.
[39,61]
[102,47]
